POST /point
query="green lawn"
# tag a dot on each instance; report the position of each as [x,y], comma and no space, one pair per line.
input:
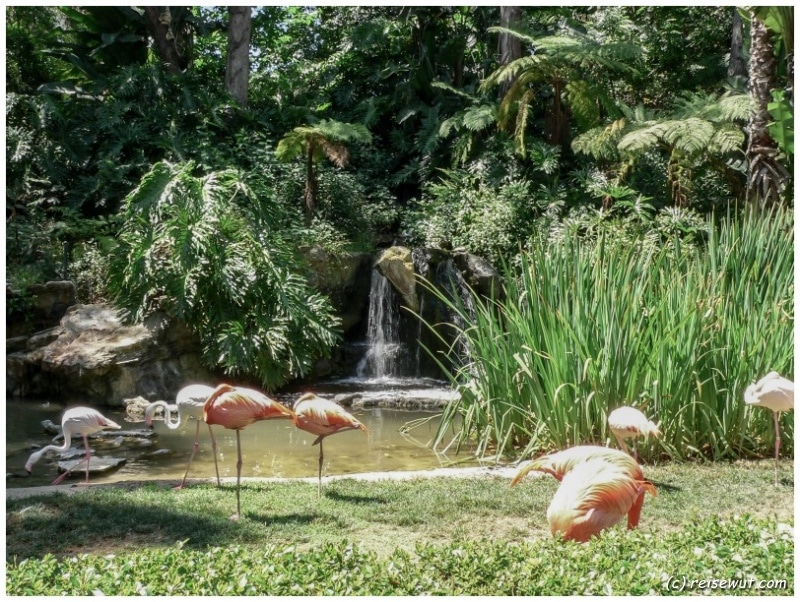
[443,535]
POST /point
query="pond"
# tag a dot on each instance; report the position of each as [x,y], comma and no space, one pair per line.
[273,448]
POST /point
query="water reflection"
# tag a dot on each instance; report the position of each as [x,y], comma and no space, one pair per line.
[271,448]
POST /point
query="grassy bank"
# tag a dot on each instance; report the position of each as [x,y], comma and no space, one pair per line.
[441,535]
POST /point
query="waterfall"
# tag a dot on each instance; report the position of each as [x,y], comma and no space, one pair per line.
[383,331]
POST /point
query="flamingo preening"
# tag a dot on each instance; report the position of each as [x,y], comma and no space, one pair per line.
[598,487]
[80,421]
[188,403]
[236,408]
[322,418]
[594,496]
[775,393]
[629,423]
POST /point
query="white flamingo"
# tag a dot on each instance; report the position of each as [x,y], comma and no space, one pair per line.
[628,423]
[775,393]
[81,421]
[189,403]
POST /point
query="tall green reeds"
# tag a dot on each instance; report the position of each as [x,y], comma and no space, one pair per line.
[677,331]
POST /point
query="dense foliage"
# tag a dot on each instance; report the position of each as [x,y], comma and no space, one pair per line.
[431,136]
[215,253]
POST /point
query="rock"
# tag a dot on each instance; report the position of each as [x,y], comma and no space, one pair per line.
[97,358]
[397,264]
[479,274]
[40,306]
[50,427]
[135,408]
[343,278]
[96,465]
[408,399]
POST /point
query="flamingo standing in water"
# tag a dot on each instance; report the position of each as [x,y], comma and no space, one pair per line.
[322,418]
[189,402]
[629,423]
[598,487]
[775,393]
[81,421]
[236,408]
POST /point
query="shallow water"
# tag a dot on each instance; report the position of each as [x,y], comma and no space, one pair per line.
[273,448]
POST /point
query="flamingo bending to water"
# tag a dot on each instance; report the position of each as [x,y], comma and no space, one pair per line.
[80,421]
[189,402]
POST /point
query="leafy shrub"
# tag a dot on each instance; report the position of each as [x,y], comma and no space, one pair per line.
[217,253]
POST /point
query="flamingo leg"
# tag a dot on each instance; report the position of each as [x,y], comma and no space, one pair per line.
[777,444]
[66,473]
[319,484]
[238,477]
[194,451]
[622,445]
[88,457]
[635,512]
[214,448]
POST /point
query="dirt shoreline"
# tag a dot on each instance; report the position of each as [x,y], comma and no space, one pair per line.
[506,472]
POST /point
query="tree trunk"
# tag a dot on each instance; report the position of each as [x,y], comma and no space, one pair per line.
[237,68]
[509,47]
[310,194]
[767,178]
[158,22]
[737,67]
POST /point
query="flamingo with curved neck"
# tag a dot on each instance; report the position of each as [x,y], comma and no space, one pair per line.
[188,403]
[81,421]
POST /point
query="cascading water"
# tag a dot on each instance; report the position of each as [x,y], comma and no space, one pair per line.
[383,331]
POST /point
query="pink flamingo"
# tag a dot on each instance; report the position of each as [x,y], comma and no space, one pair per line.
[236,408]
[629,423]
[599,486]
[189,402]
[81,421]
[775,393]
[321,417]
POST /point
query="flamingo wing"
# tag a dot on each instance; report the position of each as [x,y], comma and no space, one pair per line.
[592,497]
[323,417]
[238,407]
[560,463]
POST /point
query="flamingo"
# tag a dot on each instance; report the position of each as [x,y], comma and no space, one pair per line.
[236,408]
[322,418]
[189,402]
[775,393]
[81,421]
[563,463]
[629,423]
[560,463]
[594,496]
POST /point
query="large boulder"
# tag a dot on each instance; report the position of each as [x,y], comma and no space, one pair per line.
[397,265]
[92,356]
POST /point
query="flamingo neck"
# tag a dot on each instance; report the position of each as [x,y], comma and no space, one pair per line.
[168,409]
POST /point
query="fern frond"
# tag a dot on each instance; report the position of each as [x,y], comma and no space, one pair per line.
[479,118]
